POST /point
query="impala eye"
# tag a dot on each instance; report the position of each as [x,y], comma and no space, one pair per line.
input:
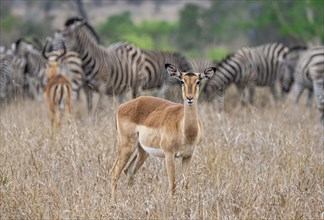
[181,82]
[197,83]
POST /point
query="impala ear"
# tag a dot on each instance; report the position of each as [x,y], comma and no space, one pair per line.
[172,70]
[208,73]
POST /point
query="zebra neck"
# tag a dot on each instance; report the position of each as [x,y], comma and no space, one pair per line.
[87,44]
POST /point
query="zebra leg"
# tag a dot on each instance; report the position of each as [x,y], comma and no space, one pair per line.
[241,91]
[274,92]
[100,106]
[318,85]
[88,93]
[251,94]
[310,98]
[298,90]
[220,100]
[163,90]
[122,99]
[135,90]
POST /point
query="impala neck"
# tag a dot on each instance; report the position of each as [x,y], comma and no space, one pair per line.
[190,122]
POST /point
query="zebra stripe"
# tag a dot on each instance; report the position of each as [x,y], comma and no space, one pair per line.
[154,69]
[107,70]
[309,74]
[247,67]
[35,67]
[290,62]
[71,65]
[11,77]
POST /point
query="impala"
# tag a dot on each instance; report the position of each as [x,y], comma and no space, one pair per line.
[160,128]
[57,91]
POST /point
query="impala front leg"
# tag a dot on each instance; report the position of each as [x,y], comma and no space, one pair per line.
[185,170]
[169,159]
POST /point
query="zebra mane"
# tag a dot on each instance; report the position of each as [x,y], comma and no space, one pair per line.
[37,43]
[183,61]
[20,40]
[298,47]
[74,20]
[71,21]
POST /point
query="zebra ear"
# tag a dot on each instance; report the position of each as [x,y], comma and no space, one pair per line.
[172,70]
[77,24]
[208,73]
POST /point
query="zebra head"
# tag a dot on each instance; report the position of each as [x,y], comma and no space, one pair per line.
[288,64]
[22,47]
[74,30]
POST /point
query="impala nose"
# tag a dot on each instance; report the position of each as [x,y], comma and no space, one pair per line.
[190,101]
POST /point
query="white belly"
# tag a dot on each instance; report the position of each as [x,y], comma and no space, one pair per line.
[157,152]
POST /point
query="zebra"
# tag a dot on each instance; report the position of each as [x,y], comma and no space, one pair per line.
[35,67]
[155,75]
[135,57]
[247,67]
[309,73]
[107,70]
[11,77]
[70,64]
[290,61]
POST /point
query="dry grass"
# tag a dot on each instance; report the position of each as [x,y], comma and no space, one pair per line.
[263,162]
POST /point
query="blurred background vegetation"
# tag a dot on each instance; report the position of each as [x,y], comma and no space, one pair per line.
[206,29]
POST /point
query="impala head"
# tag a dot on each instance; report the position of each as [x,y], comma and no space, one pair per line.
[52,62]
[190,81]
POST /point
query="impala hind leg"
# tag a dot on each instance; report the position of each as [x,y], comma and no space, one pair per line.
[131,164]
[53,120]
[136,163]
[126,148]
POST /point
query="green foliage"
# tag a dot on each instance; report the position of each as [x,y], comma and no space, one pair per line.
[198,28]
[141,40]
[160,32]
[302,20]
[9,22]
[148,34]
[116,26]
[217,53]
[13,27]
[189,33]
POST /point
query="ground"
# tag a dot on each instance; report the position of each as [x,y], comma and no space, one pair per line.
[259,162]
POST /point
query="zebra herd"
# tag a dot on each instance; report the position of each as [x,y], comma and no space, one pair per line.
[123,67]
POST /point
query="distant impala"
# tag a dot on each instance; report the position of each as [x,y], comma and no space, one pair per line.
[58,90]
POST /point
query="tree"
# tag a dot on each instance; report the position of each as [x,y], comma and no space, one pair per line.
[188,35]
[301,21]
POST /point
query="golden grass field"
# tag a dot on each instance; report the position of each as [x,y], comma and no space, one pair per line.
[260,162]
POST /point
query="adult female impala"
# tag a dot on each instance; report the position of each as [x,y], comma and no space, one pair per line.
[160,128]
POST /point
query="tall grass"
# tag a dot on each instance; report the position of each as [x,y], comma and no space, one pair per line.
[260,162]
